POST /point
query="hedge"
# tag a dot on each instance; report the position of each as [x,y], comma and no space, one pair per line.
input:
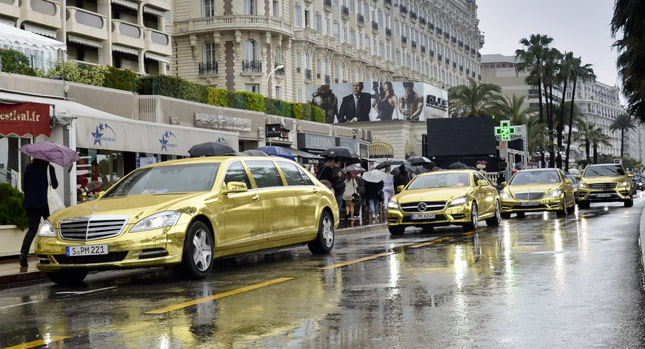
[121,79]
[83,74]
[11,210]
[173,87]
[218,96]
[16,62]
[278,107]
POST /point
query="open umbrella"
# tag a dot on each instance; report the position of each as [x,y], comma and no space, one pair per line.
[210,149]
[392,162]
[420,160]
[253,152]
[354,169]
[346,155]
[374,176]
[457,165]
[277,151]
[415,170]
[52,152]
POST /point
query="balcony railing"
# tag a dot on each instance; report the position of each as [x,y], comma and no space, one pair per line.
[252,66]
[404,40]
[207,68]
[279,71]
[360,19]
[130,30]
[327,5]
[308,74]
[388,32]
[422,21]
[413,15]
[388,3]
[374,26]
[345,11]
[439,31]
[403,9]
[88,18]
[159,38]
[431,26]
[423,49]
[44,7]
[414,45]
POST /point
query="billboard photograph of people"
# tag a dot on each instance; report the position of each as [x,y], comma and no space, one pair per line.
[354,102]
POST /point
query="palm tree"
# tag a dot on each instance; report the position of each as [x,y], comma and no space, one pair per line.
[628,20]
[584,135]
[513,109]
[551,67]
[476,99]
[531,58]
[598,138]
[584,73]
[535,134]
[623,122]
[562,77]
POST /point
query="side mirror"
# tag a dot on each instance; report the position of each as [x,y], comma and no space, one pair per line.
[100,194]
[482,183]
[400,188]
[234,187]
[578,177]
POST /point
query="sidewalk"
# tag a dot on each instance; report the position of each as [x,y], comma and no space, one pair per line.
[11,272]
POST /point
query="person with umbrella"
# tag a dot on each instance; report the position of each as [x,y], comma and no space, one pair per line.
[332,174]
[402,178]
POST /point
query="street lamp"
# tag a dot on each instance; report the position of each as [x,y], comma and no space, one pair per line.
[281,66]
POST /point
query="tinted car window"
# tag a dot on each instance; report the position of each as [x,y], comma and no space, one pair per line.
[292,174]
[604,170]
[237,173]
[167,179]
[528,177]
[440,180]
[480,177]
[264,173]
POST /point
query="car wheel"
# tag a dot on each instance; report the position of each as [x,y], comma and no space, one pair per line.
[565,210]
[506,215]
[396,230]
[67,277]
[493,222]
[324,242]
[474,219]
[583,204]
[197,258]
[629,202]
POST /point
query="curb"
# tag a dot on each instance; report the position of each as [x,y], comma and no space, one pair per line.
[361,229]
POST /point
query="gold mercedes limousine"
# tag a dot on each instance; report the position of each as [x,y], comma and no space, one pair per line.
[185,213]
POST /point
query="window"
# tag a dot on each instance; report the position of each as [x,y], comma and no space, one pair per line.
[249,7]
[208,8]
[318,24]
[297,17]
[208,53]
[344,34]
[264,173]
[277,58]
[336,31]
[379,19]
[307,23]
[396,27]
[255,88]
[293,174]
[327,27]
[278,92]
[250,50]
[237,173]
[276,9]
[352,38]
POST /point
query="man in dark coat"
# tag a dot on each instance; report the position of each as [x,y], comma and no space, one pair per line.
[332,173]
[402,178]
[34,185]
[356,106]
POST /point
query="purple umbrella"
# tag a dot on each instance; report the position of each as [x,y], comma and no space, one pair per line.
[52,152]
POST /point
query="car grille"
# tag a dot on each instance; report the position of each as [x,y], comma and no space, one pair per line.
[430,206]
[529,195]
[603,185]
[106,258]
[90,228]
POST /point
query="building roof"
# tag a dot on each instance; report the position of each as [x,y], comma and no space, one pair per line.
[498,58]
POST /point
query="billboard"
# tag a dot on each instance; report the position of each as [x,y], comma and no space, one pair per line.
[455,137]
[376,101]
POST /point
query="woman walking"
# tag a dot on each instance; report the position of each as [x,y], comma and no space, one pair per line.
[351,189]
[388,187]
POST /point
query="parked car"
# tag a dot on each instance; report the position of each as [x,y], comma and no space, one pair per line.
[637,181]
[545,189]
[184,213]
[574,182]
[455,197]
[604,183]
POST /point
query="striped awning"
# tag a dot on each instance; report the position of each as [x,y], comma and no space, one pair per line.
[84,41]
[381,150]
[124,49]
[36,29]
[153,11]
[157,58]
[126,3]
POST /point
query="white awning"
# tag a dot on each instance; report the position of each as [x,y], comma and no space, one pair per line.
[124,49]
[12,36]
[153,11]
[157,57]
[40,30]
[126,3]
[96,129]
[84,41]
[8,21]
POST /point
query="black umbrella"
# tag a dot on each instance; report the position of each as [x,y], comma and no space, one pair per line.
[253,152]
[392,163]
[415,170]
[347,156]
[420,161]
[210,149]
[457,165]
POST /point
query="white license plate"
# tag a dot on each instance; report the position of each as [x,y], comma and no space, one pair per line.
[89,250]
[529,203]
[603,195]
[423,216]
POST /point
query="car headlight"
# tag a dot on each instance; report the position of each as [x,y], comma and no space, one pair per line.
[458,201]
[555,193]
[392,205]
[582,185]
[624,184]
[47,230]
[504,195]
[156,221]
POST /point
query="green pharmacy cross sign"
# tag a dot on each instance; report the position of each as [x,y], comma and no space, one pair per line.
[505,130]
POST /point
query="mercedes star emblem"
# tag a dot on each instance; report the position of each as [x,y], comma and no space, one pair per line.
[422,206]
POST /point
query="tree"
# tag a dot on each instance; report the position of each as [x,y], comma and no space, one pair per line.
[535,135]
[584,135]
[513,109]
[623,122]
[531,59]
[597,137]
[584,73]
[476,99]
[562,77]
[551,67]
[628,19]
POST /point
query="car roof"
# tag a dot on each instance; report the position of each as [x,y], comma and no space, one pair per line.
[466,171]
[214,159]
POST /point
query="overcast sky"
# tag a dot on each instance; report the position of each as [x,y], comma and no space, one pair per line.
[578,26]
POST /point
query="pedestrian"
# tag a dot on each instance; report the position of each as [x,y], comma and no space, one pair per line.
[373,192]
[358,207]
[34,185]
[330,173]
[388,186]
[350,196]
[339,187]
[402,178]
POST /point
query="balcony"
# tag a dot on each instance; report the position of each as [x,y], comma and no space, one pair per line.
[374,27]
[360,19]
[439,31]
[453,40]
[345,11]
[327,5]
[388,32]
[86,23]
[254,66]
[467,48]
[446,36]
[431,26]
[308,74]
[207,68]
[431,53]
[43,13]
[440,57]
[128,34]
[460,43]
[10,8]
[157,41]
[235,22]
[388,3]
[422,21]
[279,72]
[413,15]
[414,45]
[403,10]
[423,50]
[404,40]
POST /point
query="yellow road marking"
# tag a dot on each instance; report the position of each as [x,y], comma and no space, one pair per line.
[357,260]
[39,342]
[476,231]
[218,296]
[430,242]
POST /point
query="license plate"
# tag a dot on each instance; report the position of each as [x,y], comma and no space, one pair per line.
[423,216]
[90,250]
[606,195]
[529,203]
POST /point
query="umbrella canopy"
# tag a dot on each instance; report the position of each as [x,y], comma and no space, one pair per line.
[457,165]
[420,160]
[277,151]
[210,149]
[346,155]
[374,176]
[392,163]
[355,169]
[409,168]
[52,152]
[253,152]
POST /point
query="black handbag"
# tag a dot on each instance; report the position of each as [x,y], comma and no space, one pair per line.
[356,198]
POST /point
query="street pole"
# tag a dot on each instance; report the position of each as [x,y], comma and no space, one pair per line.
[281,66]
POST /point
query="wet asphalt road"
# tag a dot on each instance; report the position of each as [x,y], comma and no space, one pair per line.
[537,282]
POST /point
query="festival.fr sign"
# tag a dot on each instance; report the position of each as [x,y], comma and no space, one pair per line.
[23,119]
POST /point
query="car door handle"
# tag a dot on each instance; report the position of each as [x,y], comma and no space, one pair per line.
[255,197]
[314,190]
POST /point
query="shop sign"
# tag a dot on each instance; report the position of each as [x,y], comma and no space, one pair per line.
[222,122]
[311,141]
[24,119]
[103,134]
[277,130]
[168,140]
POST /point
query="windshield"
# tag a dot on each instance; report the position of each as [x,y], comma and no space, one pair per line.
[535,177]
[604,170]
[167,179]
[440,180]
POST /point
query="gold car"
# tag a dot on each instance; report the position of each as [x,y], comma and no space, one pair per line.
[185,213]
[545,189]
[460,197]
[604,182]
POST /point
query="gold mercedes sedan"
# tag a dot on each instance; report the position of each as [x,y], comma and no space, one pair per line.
[457,197]
[185,213]
[605,183]
[544,189]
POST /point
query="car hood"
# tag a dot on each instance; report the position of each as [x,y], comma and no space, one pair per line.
[136,207]
[543,187]
[433,194]
[605,179]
